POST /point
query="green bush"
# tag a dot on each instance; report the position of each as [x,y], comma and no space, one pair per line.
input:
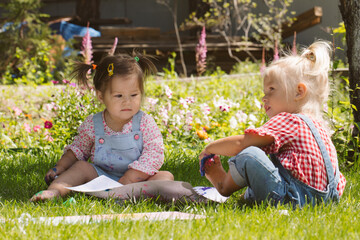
[28,49]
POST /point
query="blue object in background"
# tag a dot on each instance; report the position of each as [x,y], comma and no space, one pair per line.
[69,30]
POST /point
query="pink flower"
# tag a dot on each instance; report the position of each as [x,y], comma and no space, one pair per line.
[73,84]
[201,51]
[263,64]
[112,50]
[36,128]
[48,124]
[276,51]
[17,111]
[54,81]
[48,136]
[294,51]
[27,127]
[65,81]
[86,47]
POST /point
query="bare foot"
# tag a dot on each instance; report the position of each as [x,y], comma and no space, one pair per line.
[45,195]
[215,173]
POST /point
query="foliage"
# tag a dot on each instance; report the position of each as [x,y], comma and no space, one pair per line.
[29,51]
[269,24]
[71,106]
[341,31]
[237,21]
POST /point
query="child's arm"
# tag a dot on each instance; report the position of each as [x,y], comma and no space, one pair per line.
[66,161]
[231,146]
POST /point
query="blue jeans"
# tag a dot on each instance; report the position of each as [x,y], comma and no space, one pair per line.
[267,179]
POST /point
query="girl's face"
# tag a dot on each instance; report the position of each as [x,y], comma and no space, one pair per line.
[122,98]
[276,99]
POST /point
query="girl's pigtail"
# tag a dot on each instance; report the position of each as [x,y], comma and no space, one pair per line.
[80,73]
[318,54]
[145,63]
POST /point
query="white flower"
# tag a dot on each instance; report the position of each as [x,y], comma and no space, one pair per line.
[163,113]
[177,119]
[189,117]
[187,127]
[205,109]
[152,101]
[184,103]
[168,91]
[241,116]
[222,104]
[252,118]
[233,122]
[190,100]
[257,103]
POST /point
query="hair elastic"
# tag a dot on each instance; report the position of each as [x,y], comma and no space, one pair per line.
[110,69]
[137,58]
[93,66]
[311,56]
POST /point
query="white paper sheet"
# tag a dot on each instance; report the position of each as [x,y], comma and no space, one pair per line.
[210,193]
[100,183]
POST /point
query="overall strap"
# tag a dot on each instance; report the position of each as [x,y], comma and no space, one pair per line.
[320,142]
[136,121]
[98,124]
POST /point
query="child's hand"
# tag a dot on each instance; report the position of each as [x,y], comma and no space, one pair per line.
[202,155]
[53,173]
[207,159]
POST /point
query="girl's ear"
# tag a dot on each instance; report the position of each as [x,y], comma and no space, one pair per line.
[100,96]
[301,91]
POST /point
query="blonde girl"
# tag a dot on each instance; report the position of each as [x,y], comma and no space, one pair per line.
[303,166]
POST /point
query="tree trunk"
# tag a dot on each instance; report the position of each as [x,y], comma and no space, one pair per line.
[350,11]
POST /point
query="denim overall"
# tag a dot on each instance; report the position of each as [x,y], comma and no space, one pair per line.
[270,180]
[114,153]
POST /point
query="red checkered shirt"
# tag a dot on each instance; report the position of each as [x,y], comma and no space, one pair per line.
[297,149]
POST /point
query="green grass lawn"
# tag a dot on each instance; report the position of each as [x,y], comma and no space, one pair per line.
[22,175]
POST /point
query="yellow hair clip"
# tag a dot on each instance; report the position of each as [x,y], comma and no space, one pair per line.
[110,69]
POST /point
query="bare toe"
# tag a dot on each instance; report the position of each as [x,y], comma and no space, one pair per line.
[44,195]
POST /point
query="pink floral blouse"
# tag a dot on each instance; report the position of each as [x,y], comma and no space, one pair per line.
[151,158]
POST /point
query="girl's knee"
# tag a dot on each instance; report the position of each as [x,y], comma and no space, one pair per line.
[162,175]
[252,160]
